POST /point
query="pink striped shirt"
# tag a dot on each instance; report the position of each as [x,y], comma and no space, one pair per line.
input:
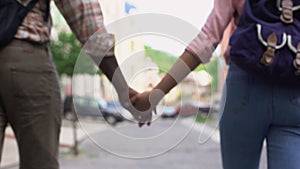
[212,32]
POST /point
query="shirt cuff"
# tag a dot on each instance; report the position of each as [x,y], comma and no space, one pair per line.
[100,45]
[201,47]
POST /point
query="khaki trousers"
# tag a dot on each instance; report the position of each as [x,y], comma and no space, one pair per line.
[30,102]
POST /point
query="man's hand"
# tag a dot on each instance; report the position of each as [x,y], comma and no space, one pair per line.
[145,103]
[110,68]
[125,98]
[143,106]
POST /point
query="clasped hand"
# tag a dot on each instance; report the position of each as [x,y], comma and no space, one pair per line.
[142,105]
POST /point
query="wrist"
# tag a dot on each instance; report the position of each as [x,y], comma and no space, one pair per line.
[162,87]
[121,89]
[156,95]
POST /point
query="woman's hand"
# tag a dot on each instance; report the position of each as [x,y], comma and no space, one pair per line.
[145,103]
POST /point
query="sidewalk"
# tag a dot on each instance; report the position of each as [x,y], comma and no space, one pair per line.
[10,157]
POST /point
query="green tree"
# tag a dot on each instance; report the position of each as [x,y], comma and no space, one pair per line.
[212,69]
[66,51]
[165,61]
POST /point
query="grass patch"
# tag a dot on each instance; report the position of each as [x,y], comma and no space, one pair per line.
[201,118]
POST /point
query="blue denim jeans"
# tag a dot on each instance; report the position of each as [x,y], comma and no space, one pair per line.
[255,110]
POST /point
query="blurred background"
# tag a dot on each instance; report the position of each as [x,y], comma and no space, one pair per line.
[89,142]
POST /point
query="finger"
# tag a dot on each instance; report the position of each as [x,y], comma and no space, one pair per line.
[144,119]
[140,121]
[133,99]
[141,124]
[132,92]
[149,119]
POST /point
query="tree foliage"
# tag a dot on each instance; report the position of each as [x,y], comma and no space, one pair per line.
[165,61]
[66,51]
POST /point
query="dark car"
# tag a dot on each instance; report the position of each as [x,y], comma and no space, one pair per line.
[91,107]
[68,106]
[117,107]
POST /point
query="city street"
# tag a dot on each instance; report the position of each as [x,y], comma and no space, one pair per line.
[189,154]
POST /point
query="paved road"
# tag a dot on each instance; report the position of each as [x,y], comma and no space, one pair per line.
[189,154]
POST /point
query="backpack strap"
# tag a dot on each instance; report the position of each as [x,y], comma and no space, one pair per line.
[30,5]
[47,13]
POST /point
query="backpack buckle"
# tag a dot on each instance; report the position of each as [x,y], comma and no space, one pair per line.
[296,62]
[287,12]
[269,55]
[271,44]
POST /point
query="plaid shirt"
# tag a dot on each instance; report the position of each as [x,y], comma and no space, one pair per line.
[84,18]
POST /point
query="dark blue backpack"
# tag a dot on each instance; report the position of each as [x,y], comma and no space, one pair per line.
[267,39]
[12,14]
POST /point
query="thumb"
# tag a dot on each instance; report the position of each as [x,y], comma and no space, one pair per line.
[132,92]
[133,99]
[155,96]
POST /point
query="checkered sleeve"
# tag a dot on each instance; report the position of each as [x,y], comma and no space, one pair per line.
[85,19]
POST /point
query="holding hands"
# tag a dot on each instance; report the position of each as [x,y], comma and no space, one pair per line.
[145,103]
[141,105]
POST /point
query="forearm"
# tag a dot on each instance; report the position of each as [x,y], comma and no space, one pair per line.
[181,68]
[111,69]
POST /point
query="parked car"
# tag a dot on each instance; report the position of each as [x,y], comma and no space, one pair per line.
[193,108]
[186,109]
[91,107]
[67,106]
[116,106]
[168,112]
